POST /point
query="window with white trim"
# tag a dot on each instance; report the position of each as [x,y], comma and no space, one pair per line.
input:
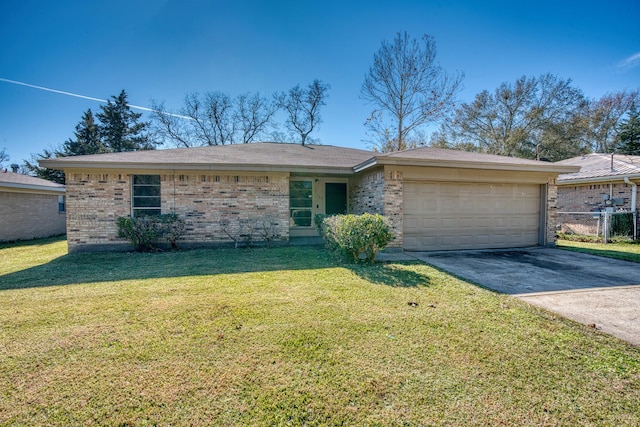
[301,203]
[145,200]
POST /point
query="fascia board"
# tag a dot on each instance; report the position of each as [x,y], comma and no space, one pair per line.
[543,167]
[598,180]
[11,186]
[197,166]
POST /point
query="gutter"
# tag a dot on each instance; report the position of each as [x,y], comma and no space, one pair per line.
[215,167]
[634,192]
[596,180]
[402,161]
[36,188]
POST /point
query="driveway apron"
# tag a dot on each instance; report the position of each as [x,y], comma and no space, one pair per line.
[596,291]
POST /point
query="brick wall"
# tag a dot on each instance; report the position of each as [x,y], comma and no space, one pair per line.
[380,192]
[205,200]
[25,216]
[551,214]
[211,204]
[94,202]
[587,198]
[366,193]
[393,204]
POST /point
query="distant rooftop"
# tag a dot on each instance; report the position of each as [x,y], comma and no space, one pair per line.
[601,167]
[20,181]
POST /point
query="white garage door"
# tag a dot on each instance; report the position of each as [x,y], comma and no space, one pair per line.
[446,215]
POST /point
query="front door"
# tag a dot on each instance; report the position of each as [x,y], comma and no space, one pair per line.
[311,196]
[335,198]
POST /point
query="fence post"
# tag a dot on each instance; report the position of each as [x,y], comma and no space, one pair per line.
[606,227]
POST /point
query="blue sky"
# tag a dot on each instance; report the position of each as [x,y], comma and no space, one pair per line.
[164,49]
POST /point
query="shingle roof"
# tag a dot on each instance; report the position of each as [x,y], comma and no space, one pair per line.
[432,153]
[271,156]
[600,167]
[17,180]
[294,158]
[431,156]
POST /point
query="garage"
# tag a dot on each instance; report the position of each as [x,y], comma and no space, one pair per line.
[470,215]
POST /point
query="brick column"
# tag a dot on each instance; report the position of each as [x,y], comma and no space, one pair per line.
[394,205]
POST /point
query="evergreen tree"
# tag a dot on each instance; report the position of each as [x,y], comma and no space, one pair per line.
[45,173]
[120,127]
[629,133]
[87,138]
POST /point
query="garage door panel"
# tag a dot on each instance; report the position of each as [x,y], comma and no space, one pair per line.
[442,216]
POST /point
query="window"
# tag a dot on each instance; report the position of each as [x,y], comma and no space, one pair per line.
[300,202]
[146,195]
[61,205]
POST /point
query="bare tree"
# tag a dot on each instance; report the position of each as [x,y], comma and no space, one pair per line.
[254,115]
[303,108]
[407,85]
[170,127]
[215,119]
[4,157]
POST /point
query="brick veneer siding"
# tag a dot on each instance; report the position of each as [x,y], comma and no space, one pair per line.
[380,192]
[94,202]
[550,219]
[212,203]
[25,216]
[588,198]
[394,205]
[367,193]
[204,200]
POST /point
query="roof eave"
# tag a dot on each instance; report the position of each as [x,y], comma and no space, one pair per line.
[32,187]
[598,179]
[64,165]
[542,167]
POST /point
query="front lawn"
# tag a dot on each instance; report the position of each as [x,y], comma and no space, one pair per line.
[628,251]
[287,336]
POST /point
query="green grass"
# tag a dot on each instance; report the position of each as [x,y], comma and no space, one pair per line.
[628,251]
[288,336]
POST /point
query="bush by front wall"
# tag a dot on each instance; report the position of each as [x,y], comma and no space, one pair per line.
[356,237]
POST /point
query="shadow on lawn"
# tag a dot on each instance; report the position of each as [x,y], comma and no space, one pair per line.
[101,267]
[625,256]
[397,275]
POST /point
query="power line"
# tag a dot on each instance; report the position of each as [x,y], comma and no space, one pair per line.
[76,95]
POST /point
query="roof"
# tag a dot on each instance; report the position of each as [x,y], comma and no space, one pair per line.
[25,182]
[256,156]
[295,158]
[431,156]
[598,167]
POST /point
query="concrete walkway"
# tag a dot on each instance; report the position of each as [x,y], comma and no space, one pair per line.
[589,289]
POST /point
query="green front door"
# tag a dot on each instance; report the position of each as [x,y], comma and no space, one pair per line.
[335,198]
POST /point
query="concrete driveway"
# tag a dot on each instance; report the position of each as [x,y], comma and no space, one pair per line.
[585,288]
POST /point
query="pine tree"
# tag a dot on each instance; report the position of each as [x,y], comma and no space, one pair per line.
[87,138]
[120,127]
[629,133]
[41,172]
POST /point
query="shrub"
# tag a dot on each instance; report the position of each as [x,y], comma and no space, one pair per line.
[622,224]
[145,233]
[267,228]
[356,237]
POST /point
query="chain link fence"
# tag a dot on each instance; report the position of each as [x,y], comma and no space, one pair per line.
[602,225]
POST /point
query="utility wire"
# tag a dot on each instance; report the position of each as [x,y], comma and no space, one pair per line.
[137,107]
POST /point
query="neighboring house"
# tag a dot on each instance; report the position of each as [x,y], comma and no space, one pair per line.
[435,199]
[605,181]
[30,207]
